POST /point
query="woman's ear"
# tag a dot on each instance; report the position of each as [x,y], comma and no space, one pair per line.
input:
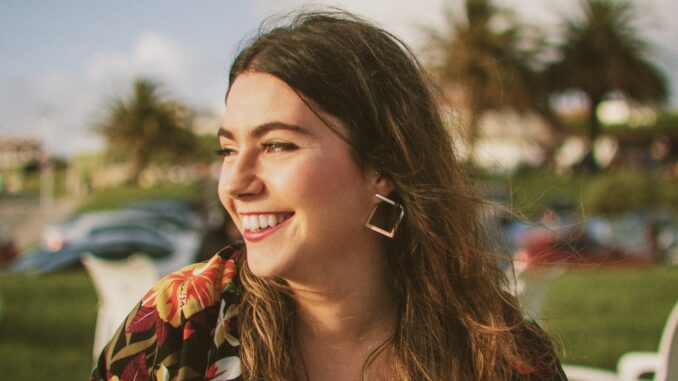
[381,184]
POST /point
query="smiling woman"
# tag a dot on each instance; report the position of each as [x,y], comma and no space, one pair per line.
[285,164]
[363,256]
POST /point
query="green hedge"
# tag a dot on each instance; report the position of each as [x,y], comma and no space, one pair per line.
[606,193]
[123,195]
[619,192]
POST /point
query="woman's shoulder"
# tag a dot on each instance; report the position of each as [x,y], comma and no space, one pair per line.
[195,287]
[539,357]
[186,317]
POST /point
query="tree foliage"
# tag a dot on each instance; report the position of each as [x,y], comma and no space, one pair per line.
[491,56]
[603,52]
[147,127]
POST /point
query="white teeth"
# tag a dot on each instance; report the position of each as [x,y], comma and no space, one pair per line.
[261,221]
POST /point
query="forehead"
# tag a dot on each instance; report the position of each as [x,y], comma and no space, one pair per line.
[259,98]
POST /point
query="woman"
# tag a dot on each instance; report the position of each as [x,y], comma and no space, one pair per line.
[363,255]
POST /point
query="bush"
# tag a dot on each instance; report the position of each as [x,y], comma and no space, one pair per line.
[670,194]
[615,193]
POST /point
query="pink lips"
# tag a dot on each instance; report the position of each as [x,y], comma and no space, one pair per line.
[258,235]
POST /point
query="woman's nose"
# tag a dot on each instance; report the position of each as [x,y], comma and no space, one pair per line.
[241,179]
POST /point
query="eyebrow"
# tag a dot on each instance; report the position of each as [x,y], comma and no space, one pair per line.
[265,128]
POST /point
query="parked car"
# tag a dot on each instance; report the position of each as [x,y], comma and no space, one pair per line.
[650,233]
[77,227]
[573,248]
[668,241]
[111,242]
[177,211]
[168,231]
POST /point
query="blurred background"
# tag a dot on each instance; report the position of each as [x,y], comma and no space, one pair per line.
[566,111]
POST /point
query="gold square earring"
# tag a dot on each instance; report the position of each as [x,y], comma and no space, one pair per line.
[385,216]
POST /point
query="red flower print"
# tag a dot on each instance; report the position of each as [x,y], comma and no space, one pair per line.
[136,370]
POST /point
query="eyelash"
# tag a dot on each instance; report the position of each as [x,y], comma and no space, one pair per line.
[269,147]
[224,151]
[272,147]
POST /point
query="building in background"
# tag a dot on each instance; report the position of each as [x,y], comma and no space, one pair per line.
[17,157]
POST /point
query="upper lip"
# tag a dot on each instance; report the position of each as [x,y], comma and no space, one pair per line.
[268,212]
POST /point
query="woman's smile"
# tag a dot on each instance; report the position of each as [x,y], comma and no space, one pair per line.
[257,226]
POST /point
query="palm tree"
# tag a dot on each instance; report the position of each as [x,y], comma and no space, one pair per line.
[603,53]
[146,127]
[488,55]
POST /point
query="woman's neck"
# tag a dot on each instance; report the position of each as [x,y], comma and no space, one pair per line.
[342,320]
[347,302]
[347,315]
[341,340]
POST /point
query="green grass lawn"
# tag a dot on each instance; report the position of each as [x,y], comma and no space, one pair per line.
[47,322]
[46,326]
[597,315]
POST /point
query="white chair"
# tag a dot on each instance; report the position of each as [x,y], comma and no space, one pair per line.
[582,373]
[531,286]
[119,284]
[632,365]
[663,363]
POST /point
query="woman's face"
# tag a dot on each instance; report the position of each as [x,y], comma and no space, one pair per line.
[290,183]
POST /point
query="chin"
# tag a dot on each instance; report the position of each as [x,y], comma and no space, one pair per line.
[265,265]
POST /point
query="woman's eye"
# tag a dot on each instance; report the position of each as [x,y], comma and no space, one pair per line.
[225,151]
[272,147]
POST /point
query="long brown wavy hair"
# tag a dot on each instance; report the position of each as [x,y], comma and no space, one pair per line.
[456,322]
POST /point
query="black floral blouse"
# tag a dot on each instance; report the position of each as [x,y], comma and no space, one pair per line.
[185,328]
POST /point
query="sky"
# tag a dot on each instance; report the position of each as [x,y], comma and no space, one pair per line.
[63,62]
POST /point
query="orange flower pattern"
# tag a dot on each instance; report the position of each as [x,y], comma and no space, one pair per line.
[189,290]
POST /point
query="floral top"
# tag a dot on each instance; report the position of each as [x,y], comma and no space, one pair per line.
[185,328]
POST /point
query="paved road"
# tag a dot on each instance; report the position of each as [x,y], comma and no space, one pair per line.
[24,218]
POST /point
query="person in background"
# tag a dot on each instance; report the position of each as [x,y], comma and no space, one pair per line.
[8,249]
[363,256]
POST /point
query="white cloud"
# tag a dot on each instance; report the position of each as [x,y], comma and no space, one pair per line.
[61,107]
[404,18]
[152,55]
[52,107]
